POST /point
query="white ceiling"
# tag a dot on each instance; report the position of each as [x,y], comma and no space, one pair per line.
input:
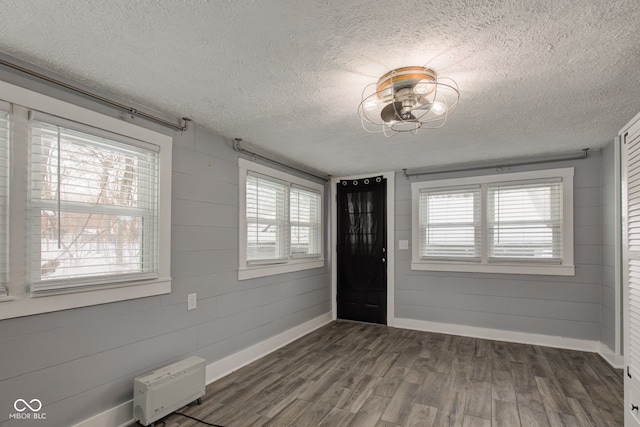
[536,76]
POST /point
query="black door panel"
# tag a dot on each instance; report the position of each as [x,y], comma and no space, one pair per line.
[362,242]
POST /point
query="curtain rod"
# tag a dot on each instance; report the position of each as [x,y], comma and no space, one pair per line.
[130,110]
[239,149]
[584,155]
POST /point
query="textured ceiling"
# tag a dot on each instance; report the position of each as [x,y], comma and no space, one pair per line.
[536,76]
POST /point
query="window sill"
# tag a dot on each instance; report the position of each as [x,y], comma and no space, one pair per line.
[27,306]
[253,272]
[536,269]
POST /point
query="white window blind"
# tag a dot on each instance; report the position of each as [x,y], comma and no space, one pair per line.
[450,223]
[4,200]
[267,225]
[95,209]
[525,221]
[305,213]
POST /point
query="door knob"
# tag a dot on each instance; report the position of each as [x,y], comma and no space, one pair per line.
[634,407]
[383,260]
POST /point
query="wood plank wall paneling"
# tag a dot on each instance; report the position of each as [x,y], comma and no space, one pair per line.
[567,306]
[607,298]
[82,362]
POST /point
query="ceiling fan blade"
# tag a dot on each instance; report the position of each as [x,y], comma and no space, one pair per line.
[392,113]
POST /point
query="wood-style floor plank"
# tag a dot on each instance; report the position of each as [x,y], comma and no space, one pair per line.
[355,374]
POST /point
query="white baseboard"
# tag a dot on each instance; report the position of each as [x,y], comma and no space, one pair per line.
[499,335]
[223,367]
[122,415]
[615,360]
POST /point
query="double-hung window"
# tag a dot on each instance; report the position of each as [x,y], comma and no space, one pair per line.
[450,223]
[94,199]
[525,221]
[280,222]
[305,211]
[519,223]
[267,231]
[89,203]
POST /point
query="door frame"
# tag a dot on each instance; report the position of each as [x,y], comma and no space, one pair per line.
[390,177]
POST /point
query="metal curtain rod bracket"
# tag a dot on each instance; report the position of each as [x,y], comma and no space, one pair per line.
[239,149]
[132,111]
[584,155]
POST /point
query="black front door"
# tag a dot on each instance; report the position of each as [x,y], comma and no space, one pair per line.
[362,250]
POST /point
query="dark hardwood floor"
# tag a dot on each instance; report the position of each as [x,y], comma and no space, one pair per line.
[353,374]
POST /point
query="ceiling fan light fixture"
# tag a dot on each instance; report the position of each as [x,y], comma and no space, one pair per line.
[438,108]
[423,87]
[407,99]
[371,104]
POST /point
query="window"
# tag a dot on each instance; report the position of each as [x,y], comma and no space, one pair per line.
[95,208]
[525,221]
[97,193]
[280,222]
[306,218]
[266,220]
[450,224]
[513,223]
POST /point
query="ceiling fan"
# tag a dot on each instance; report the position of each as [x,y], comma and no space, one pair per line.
[407,99]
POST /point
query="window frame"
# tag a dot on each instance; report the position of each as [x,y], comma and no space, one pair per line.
[21,302]
[485,265]
[251,270]
[302,224]
[476,224]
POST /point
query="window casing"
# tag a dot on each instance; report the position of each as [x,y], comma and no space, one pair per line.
[89,207]
[519,223]
[94,203]
[280,222]
[450,224]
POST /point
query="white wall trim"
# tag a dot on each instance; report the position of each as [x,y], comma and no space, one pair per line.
[122,415]
[229,364]
[391,200]
[613,359]
[619,268]
[500,335]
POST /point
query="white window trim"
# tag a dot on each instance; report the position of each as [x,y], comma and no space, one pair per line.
[566,268]
[20,303]
[296,263]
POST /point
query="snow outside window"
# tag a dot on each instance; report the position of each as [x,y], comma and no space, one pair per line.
[94,209]
[88,203]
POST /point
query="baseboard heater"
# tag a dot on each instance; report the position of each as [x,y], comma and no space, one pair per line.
[163,391]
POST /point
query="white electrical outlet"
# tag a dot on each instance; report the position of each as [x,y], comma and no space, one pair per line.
[192,301]
[403,245]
